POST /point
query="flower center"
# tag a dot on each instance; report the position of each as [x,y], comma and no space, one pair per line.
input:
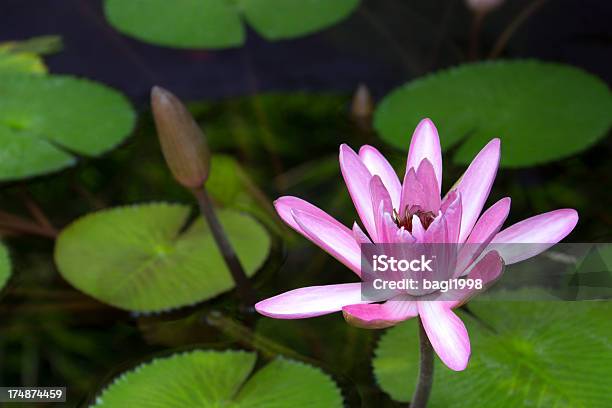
[405,219]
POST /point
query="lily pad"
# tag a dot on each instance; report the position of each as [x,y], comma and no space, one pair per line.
[541,111]
[46,120]
[213,379]
[219,23]
[139,258]
[26,62]
[5,266]
[534,354]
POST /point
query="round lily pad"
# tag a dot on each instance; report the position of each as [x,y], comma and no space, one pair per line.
[46,120]
[5,266]
[141,258]
[214,379]
[541,111]
[219,23]
[524,353]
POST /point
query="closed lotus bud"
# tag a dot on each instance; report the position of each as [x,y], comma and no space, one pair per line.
[362,106]
[483,6]
[182,141]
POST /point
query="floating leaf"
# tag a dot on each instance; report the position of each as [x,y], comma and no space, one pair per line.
[137,258]
[41,45]
[541,111]
[5,266]
[536,354]
[218,23]
[214,379]
[278,19]
[26,62]
[45,120]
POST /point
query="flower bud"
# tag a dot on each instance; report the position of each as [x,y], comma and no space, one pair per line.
[362,106]
[182,141]
[483,6]
[362,109]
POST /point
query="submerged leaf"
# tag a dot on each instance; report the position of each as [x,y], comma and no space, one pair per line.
[45,120]
[213,379]
[541,111]
[137,258]
[219,23]
[526,353]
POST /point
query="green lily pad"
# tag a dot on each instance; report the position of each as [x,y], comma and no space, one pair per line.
[5,266]
[25,62]
[219,23]
[541,111]
[46,120]
[202,379]
[139,258]
[529,354]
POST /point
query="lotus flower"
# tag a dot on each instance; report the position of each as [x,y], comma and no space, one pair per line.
[409,212]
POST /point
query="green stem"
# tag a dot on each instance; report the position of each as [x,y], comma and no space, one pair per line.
[243,284]
[426,370]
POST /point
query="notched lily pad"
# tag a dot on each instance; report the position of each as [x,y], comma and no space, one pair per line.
[219,23]
[46,120]
[213,378]
[541,111]
[137,258]
[527,353]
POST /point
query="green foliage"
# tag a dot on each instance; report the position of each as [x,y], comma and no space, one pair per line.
[541,111]
[218,23]
[232,187]
[214,379]
[281,124]
[533,354]
[5,266]
[26,62]
[138,258]
[45,120]
[278,19]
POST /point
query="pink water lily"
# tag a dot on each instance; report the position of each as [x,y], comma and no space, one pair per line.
[409,212]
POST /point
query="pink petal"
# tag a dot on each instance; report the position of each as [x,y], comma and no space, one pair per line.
[445,228]
[379,316]
[413,193]
[536,234]
[437,232]
[338,242]
[427,177]
[379,166]
[381,204]
[285,204]
[490,222]
[425,144]
[357,178]
[483,232]
[488,270]
[447,334]
[359,235]
[454,218]
[475,185]
[310,301]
